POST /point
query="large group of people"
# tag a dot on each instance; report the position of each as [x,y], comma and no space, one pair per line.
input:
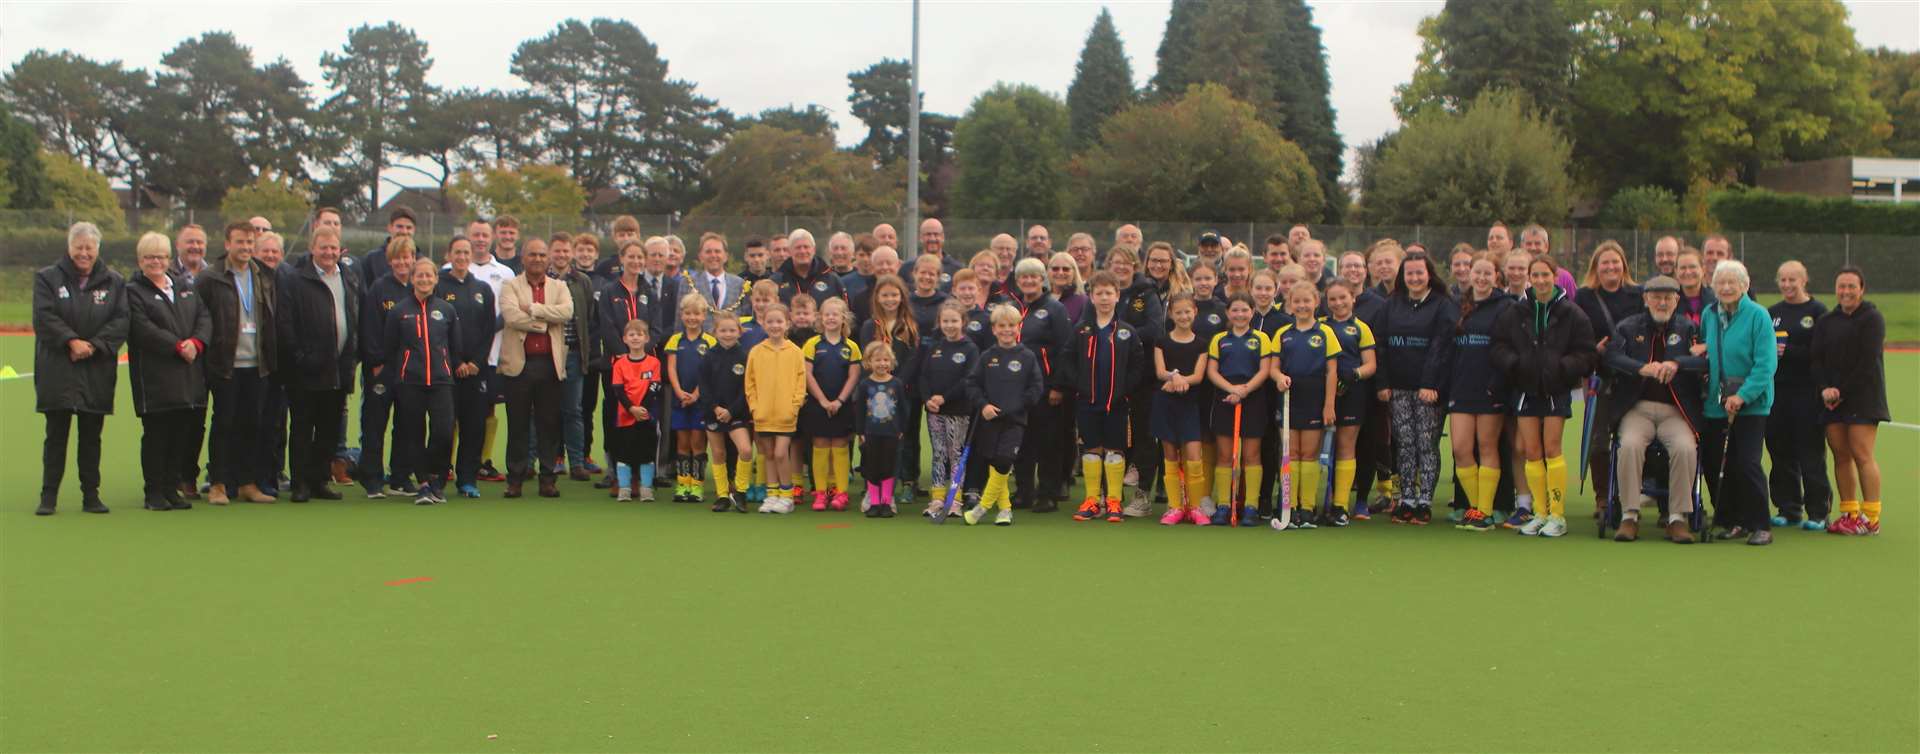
[1278,389]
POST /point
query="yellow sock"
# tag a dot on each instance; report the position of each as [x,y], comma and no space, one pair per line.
[1196,482]
[1343,472]
[743,474]
[1537,481]
[842,458]
[1849,506]
[822,466]
[1871,509]
[1090,474]
[486,438]
[1557,484]
[996,491]
[718,459]
[1469,477]
[1176,490]
[1116,470]
[1489,483]
[1309,486]
[937,492]
[1223,485]
[1250,481]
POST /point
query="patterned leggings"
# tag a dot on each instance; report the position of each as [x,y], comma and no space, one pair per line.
[945,435]
[1416,441]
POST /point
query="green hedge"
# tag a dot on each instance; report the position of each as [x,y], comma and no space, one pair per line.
[1762,210]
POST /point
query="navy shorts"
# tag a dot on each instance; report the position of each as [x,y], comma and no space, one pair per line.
[1176,418]
[1478,403]
[815,422]
[1537,406]
[687,418]
[1255,414]
[1832,417]
[1308,405]
[1350,406]
[1101,428]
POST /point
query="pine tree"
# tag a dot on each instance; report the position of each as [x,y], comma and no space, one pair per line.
[1102,82]
[1302,92]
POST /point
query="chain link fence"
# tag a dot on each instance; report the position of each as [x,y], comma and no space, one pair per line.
[32,238]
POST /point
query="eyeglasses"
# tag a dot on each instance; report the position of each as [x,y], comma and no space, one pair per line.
[1060,269]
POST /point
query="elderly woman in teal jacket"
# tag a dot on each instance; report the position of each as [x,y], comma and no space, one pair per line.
[1741,359]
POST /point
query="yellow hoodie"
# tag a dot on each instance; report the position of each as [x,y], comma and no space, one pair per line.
[776,385]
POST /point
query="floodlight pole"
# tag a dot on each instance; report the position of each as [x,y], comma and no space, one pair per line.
[910,235]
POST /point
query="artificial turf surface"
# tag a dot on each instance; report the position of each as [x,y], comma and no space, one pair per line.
[580,624]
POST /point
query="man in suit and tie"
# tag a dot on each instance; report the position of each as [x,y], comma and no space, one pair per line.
[723,290]
[662,288]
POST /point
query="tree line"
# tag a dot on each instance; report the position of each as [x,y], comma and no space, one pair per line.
[1517,109]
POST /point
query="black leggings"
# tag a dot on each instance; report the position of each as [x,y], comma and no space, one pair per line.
[166,439]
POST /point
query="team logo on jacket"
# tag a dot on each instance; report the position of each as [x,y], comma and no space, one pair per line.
[820,285]
[643,298]
[379,389]
[1041,314]
[1673,338]
[1253,345]
[646,375]
[1212,319]
[973,326]
[1140,305]
[1806,323]
[959,357]
[846,353]
[1124,335]
[100,297]
[63,292]
[481,298]
[387,305]
[700,348]
[437,315]
[1350,330]
[1013,366]
[739,369]
[596,296]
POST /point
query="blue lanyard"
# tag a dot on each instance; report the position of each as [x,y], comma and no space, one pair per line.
[243,283]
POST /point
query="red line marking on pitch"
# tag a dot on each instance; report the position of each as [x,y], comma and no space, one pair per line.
[414,580]
[833,526]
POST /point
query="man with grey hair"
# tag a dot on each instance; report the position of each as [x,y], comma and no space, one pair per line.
[190,243]
[804,273]
[1534,241]
[1657,391]
[887,236]
[1127,235]
[1005,249]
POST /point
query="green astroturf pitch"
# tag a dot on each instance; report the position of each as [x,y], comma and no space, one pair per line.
[580,624]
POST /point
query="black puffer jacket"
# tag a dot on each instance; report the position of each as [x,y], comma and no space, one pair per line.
[162,381]
[1632,348]
[63,311]
[472,301]
[220,294]
[1544,348]
[820,282]
[307,329]
[1140,306]
[1849,353]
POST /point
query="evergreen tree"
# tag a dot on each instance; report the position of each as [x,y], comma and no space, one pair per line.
[1102,82]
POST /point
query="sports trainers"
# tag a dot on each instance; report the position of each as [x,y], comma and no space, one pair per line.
[1114,513]
[974,514]
[1089,509]
[469,491]
[1005,517]
[1337,517]
[819,501]
[1301,520]
[1222,515]
[1533,526]
[1867,528]
[1814,524]
[1360,513]
[623,495]
[1197,518]
[1847,525]
[1174,517]
[1403,514]
[373,493]
[646,494]
[838,501]
[1475,521]
[1422,515]
[1207,507]
[932,508]
[722,503]
[490,474]
[1519,519]
[1456,515]
[1140,505]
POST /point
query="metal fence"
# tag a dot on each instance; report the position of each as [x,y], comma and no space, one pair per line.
[33,237]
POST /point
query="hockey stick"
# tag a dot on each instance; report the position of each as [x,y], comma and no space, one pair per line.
[1720,481]
[1283,517]
[1586,430]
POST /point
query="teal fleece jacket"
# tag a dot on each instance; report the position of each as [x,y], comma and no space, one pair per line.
[1740,346]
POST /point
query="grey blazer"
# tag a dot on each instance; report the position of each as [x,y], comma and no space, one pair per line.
[733,292]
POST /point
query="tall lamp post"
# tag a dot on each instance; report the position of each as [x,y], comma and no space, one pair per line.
[911,232]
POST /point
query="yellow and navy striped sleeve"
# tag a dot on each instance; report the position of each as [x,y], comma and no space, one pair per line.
[1333,343]
[1213,347]
[854,349]
[806,351]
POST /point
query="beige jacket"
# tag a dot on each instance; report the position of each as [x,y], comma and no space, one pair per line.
[522,316]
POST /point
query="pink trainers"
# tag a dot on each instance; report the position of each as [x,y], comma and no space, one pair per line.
[819,501]
[839,501]
[1174,517]
[1198,518]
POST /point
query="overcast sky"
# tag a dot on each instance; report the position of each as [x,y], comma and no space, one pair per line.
[753,55]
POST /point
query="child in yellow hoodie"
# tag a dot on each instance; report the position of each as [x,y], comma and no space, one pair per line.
[776,387]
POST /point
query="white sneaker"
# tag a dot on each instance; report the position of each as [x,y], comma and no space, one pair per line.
[1207,507]
[1533,527]
[646,494]
[866,500]
[1139,504]
[974,514]
[623,496]
[1005,518]
[770,505]
[1556,526]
